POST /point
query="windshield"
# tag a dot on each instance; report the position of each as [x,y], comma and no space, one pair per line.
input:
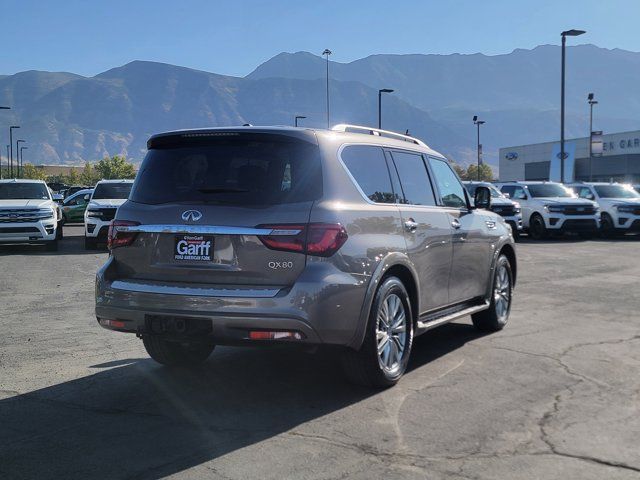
[236,171]
[549,190]
[112,190]
[616,191]
[471,188]
[24,191]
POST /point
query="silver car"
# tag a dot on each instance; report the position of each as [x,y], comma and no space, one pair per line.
[354,237]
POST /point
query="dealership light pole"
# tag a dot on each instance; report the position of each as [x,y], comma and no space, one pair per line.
[298,117]
[380,92]
[478,123]
[564,35]
[1,175]
[11,128]
[21,161]
[592,102]
[18,142]
[7,159]
[327,52]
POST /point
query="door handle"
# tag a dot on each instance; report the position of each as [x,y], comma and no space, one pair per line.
[410,225]
[455,223]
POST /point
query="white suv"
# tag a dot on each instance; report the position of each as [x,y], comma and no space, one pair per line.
[28,214]
[619,203]
[549,207]
[107,196]
[500,204]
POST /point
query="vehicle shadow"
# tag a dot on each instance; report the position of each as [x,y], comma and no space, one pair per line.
[136,419]
[72,245]
[578,239]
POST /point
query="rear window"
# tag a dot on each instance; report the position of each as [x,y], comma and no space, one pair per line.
[112,190]
[237,171]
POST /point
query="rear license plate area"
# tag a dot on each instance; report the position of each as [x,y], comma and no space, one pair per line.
[177,326]
[193,248]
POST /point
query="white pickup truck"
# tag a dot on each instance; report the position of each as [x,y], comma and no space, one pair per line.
[28,213]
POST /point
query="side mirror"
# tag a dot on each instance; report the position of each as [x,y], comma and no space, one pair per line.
[482,198]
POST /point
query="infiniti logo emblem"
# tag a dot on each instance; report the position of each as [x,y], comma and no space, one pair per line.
[191,215]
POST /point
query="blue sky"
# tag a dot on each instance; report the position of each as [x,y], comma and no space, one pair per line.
[233,37]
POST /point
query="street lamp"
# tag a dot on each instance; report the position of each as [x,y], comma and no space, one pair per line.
[478,123]
[565,34]
[18,157]
[21,161]
[11,128]
[380,92]
[299,117]
[592,102]
[1,175]
[327,52]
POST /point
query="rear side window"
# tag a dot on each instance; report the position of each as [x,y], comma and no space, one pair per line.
[414,178]
[253,170]
[368,167]
[451,190]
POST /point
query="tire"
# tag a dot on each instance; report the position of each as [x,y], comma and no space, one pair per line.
[537,228]
[89,243]
[51,246]
[174,354]
[391,307]
[516,234]
[59,232]
[607,227]
[497,315]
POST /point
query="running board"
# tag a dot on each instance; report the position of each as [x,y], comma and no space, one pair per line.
[446,315]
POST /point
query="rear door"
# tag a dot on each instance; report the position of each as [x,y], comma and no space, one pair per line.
[229,210]
[473,235]
[426,228]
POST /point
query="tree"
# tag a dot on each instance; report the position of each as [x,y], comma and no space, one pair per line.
[31,172]
[460,171]
[486,173]
[89,176]
[114,167]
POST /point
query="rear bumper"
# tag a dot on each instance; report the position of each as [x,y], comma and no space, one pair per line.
[323,305]
[28,232]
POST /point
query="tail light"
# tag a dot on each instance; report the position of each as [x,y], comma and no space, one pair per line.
[319,239]
[118,236]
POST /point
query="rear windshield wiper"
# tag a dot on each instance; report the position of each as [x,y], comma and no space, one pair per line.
[223,190]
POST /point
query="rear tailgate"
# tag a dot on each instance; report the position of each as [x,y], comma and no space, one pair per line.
[202,205]
[223,248]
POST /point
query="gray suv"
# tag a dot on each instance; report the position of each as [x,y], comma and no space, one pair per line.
[353,237]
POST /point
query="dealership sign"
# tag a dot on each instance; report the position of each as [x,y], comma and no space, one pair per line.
[511,155]
[623,144]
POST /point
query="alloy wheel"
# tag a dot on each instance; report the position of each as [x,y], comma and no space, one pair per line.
[502,292]
[391,333]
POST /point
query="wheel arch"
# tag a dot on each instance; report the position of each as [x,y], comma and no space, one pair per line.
[394,264]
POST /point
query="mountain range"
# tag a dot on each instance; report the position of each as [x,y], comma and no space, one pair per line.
[68,118]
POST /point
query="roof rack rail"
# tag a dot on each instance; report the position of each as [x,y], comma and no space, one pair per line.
[344,127]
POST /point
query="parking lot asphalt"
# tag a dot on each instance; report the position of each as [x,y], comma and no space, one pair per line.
[556,395]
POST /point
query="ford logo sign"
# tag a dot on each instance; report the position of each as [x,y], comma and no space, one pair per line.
[191,215]
[511,156]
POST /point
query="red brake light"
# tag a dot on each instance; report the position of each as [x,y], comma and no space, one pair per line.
[118,237]
[319,239]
